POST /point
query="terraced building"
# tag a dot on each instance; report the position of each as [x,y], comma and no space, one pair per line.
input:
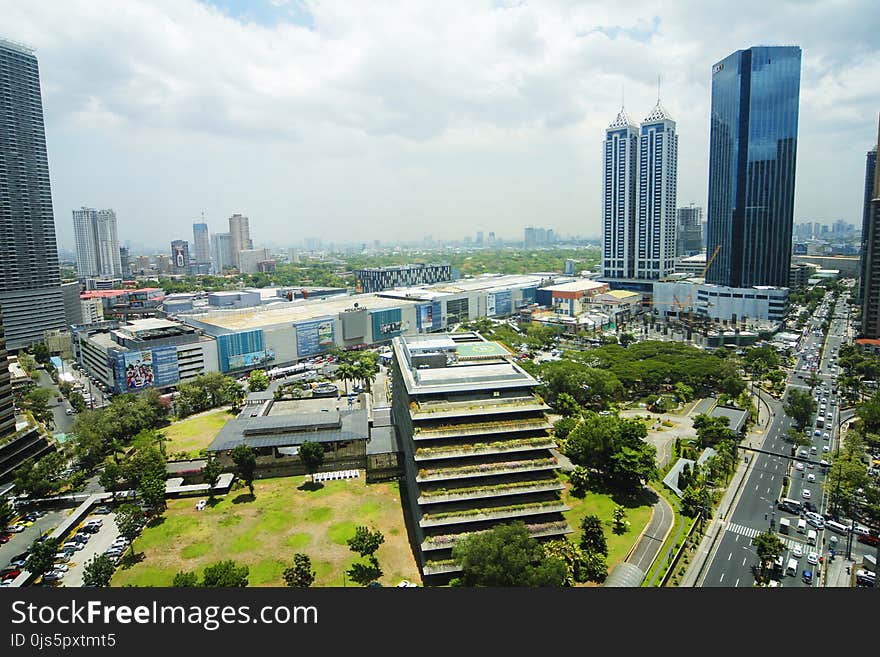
[476,444]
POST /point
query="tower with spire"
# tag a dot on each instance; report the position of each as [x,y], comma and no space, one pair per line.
[619,183]
[655,214]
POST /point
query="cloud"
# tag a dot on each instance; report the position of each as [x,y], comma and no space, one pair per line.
[320,109]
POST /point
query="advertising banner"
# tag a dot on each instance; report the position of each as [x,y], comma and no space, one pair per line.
[136,370]
[426,317]
[490,305]
[503,303]
[314,337]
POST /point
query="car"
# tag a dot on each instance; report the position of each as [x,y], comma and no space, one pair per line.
[870,539]
[803,453]
[61,567]
[797,552]
[824,463]
[816,433]
[799,466]
[10,574]
[62,557]
[811,477]
[82,537]
[68,411]
[807,577]
[103,510]
[14,529]
[813,558]
[4,538]
[53,576]
[826,436]
[815,519]
[826,448]
[73,545]
[405,583]
[806,494]
[861,529]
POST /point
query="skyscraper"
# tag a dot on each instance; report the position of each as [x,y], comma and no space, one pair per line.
[201,243]
[221,252]
[871,275]
[619,183]
[689,231]
[30,280]
[752,153]
[7,407]
[180,257]
[240,236]
[657,180]
[870,170]
[97,243]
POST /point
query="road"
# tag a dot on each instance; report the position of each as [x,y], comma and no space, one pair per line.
[734,557]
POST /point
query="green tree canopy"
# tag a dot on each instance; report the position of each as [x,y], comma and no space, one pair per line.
[312,455]
[300,574]
[593,537]
[245,460]
[800,406]
[258,381]
[98,571]
[225,574]
[42,556]
[365,542]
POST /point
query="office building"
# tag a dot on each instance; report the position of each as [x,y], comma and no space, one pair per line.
[30,279]
[240,236]
[377,279]
[97,243]
[619,197]
[180,261]
[7,406]
[870,170]
[689,231]
[163,263]
[249,260]
[657,181]
[221,252]
[871,283]
[72,305]
[142,265]
[752,154]
[124,262]
[476,444]
[201,244]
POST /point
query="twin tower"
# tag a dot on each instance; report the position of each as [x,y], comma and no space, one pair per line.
[638,206]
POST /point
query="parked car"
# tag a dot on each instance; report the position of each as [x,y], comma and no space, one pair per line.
[14,529]
[870,539]
[10,574]
[53,576]
[102,510]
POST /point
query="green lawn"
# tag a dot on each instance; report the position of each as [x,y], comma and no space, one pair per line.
[602,505]
[266,532]
[195,433]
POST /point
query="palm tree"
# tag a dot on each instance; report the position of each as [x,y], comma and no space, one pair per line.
[347,372]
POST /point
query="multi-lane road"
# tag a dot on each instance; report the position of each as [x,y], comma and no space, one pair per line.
[734,557]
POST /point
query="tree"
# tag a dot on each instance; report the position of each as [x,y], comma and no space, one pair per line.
[626,339]
[507,555]
[572,556]
[567,405]
[185,579]
[769,547]
[7,512]
[800,406]
[152,491]
[211,472]
[593,537]
[129,518]
[365,542]
[42,557]
[732,385]
[620,523]
[300,574]
[693,499]
[225,574]
[98,571]
[712,430]
[234,393]
[683,392]
[109,477]
[312,455]
[364,573]
[41,353]
[258,381]
[41,478]
[346,372]
[77,401]
[245,460]
[37,402]
[580,479]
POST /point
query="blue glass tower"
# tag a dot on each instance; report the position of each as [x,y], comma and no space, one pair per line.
[870,169]
[752,154]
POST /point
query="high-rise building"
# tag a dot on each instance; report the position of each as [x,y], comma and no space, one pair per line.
[7,407]
[249,260]
[70,292]
[123,261]
[689,231]
[30,279]
[221,252]
[619,199]
[97,243]
[240,236]
[180,256]
[752,154]
[657,190]
[479,238]
[871,274]
[870,170]
[201,243]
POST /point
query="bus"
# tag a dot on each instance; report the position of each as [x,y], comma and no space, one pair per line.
[790,505]
[280,372]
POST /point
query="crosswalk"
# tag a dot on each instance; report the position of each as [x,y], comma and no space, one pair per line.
[749,532]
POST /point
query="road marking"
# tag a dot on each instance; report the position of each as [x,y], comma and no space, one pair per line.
[721,579]
[737,582]
[762,476]
[744,560]
[729,555]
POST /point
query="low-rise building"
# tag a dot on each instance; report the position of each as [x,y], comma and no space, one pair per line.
[571,299]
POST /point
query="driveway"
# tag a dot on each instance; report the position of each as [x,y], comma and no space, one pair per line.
[23,540]
[97,544]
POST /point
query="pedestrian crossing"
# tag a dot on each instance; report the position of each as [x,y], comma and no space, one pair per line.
[749,532]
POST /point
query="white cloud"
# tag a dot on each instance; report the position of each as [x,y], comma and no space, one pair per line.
[399,119]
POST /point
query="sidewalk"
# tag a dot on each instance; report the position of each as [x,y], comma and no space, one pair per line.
[716,525]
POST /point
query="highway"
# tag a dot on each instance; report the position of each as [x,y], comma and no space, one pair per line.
[734,558]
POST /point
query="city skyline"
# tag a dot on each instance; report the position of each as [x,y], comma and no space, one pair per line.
[441,135]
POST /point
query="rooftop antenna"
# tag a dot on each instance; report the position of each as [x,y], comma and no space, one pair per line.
[622,96]
[658,88]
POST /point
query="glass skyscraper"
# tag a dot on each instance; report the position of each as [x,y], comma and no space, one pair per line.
[752,154]
[30,280]
[870,169]
[619,184]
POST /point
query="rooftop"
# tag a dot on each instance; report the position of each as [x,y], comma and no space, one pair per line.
[584,285]
[292,429]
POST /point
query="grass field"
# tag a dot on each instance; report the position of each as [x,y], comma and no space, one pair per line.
[195,433]
[602,505]
[266,532]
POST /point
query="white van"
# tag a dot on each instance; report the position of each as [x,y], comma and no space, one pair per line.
[811,537]
[835,526]
[784,524]
[802,526]
[792,568]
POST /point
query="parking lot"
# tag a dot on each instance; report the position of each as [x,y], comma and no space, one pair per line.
[97,544]
[21,541]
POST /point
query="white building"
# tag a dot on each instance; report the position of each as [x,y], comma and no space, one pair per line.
[619,199]
[240,236]
[97,243]
[719,303]
[249,260]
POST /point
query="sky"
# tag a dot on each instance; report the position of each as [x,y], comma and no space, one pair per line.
[353,122]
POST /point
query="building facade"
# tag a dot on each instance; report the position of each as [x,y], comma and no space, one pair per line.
[239,236]
[201,243]
[657,185]
[870,170]
[619,197]
[870,328]
[180,260]
[688,231]
[221,252]
[752,155]
[7,405]
[249,260]
[30,278]
[72,305]
[377,279]
[97,243]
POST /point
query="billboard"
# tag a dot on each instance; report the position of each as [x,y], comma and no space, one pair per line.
[387,324]
[425,317]
[503,303]
[314,337]
[136,370]
[490,305]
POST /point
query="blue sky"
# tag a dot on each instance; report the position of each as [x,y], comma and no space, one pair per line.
[394,120]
